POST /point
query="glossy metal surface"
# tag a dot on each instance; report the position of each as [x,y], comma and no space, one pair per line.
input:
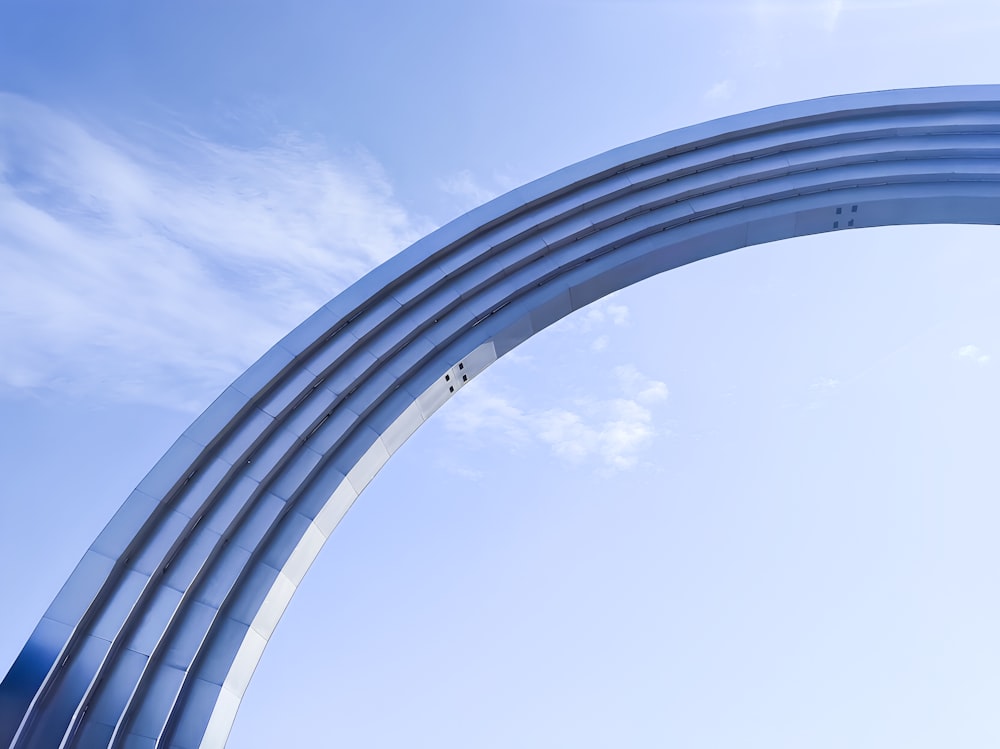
[154,637]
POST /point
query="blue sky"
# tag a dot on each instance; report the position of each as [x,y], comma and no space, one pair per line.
[751,501]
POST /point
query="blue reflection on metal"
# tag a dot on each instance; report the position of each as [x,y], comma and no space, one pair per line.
[154,637]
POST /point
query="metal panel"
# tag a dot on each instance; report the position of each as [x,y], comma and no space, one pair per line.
[191,730]
[125,524]
[335,508]
[78,592]
[283,542]
[163,604]
[217,416]
[417,285]
[312,329]
[265,459]
[64,699]
[257,521]
[394,435]
[332,429]
[289,390]
[416,351]
[310,411]
[170,467]
[228,638]
[134,741]
[184,567]
[331,350]
[225,571]
[200,485]
[148,720]
[245,662]
[374,314]
[247,600]
[556,307]
[249,430]
[344,376]
[197,619]
[28,672]
[116,689]
[154,553]
[314,495]
[274,605]
[221,721]
[265,369]
[367,466]
[118,605]
[229,504]
[95,734]
[310,541]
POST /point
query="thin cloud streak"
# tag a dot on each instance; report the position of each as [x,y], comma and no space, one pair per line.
[973,353]
[156,273]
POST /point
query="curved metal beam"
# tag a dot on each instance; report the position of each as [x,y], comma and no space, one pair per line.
[154,637]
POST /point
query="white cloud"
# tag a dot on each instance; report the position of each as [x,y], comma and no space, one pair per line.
[721,91]
[825,384]
[600,343]
[595,317]
[618,314]
[610,432]
[465,186]
[973,353]
[602,312]
[157,271]
[825,13]
[831,14]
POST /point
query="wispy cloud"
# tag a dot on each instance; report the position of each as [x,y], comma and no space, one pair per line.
[828,14]
[608,432]
[596,318]
[824,13]
[973,353]
[157,270]
[721,91]
[825,384]
[598,315]
[467,188]
[832,11]
[471,191]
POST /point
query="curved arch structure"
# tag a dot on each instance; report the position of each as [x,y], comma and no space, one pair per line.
[154,637]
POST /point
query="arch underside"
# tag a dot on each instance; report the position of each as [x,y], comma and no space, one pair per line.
[152,640]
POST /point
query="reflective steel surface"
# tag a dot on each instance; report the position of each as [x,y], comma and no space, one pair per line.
[153,639]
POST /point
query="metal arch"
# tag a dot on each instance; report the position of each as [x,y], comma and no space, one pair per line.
[152,640]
